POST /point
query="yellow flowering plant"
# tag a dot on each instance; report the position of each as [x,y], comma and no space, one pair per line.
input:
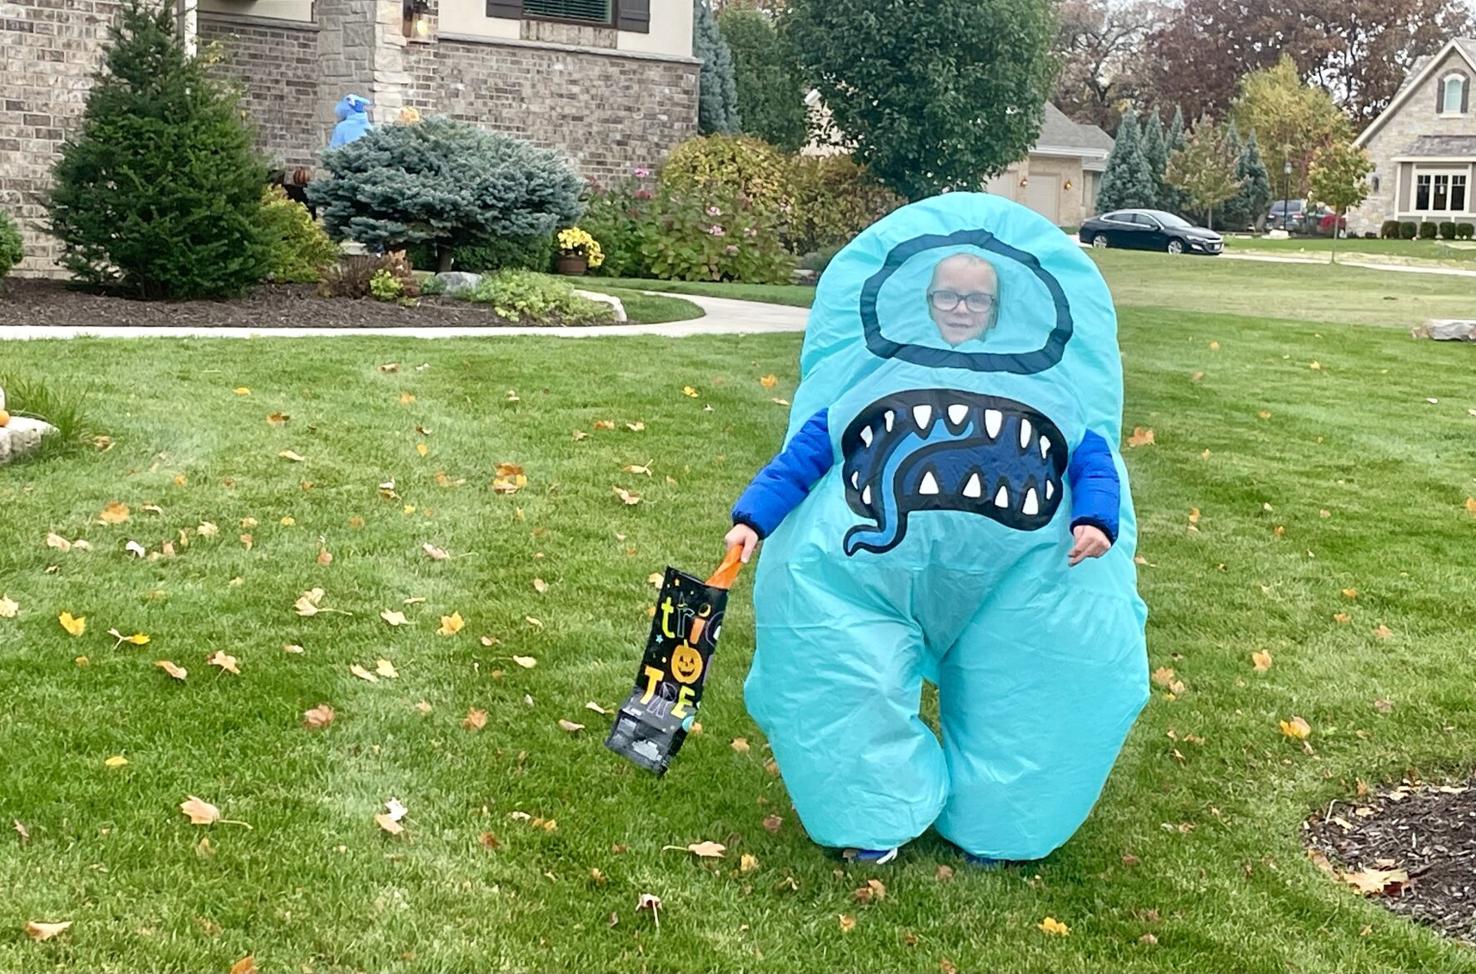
[575,242]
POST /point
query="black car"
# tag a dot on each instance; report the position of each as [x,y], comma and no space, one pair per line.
[1149,230]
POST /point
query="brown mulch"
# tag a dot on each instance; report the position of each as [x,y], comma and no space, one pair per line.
[1417,841]
[52,302]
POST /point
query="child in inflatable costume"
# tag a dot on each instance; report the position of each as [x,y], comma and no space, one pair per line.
[960,385]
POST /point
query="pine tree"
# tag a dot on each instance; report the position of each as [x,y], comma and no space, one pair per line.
[159,193]
[717,85]
[1230,216]
[1155,154]
[1248,206]
[1127,181]
[1173,198]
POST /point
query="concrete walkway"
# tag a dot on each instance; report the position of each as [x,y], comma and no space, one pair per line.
[1364,264]
[722,316]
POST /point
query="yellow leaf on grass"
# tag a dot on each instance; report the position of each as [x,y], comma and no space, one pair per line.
[1264,414]
[307,602]
[434,553]
[628,497]
[292,455]
[200,811]
[740,744]
[277,419]
[178,672]
[325,557]
[1296,728]
[362,673]
[387,822]
[116,761]
[451,624]
[635,427]
[1378,882]
[422,449]
[526,662]
[1342,618]
[406,398]
[475,719]
[704,850]
[1053,927]
[847,923]
[8,608]
[569,726]
[769,381]
[1141,436]
[540,586]
[747,863]
[1471,506]
[241,391]
[689,392]
[225,661]
[1383,631]
[1261,660]
[75,625]
[386,669]
[246,965]
[37,930]
[873,892]
[1350,593]
[1163,677]
[579,435]
[114,513]
[319,717]
[393,617]
[54,540]
[604,424]
[637,468]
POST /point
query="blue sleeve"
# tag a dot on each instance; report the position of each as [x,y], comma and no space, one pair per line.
[1096,495]
[784,482]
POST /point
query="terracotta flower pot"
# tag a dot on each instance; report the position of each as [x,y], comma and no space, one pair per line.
[571,265]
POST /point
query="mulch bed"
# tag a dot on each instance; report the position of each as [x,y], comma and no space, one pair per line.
[51,302]
[1413,847]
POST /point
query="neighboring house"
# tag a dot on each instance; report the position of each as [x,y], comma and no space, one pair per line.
[1423,145]
[611,82]
[1058,178]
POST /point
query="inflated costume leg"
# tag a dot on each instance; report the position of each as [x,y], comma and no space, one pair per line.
[835,685]
[1036,701]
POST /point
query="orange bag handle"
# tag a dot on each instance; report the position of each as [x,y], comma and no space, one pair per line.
[727,572]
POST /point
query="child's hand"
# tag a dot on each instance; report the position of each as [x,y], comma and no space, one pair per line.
[745,536]
[1090,543]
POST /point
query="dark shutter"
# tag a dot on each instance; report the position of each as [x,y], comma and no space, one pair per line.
[505,8]
[1439,95]
[1465,95]
[633,15]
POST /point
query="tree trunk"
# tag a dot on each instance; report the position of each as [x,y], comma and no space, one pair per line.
[1332,252]
[443,259]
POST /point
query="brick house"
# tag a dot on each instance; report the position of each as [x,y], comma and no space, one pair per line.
[1060,175]
[611,82]
[1423,145]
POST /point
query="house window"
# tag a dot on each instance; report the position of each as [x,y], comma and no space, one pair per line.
[582,11]
[1453,100]
[1440,192]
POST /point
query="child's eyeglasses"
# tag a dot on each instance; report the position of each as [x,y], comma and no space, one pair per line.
[976,301]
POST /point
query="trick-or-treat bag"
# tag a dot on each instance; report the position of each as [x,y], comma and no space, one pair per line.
[653,722]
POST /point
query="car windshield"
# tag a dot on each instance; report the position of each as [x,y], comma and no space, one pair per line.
[1169,220]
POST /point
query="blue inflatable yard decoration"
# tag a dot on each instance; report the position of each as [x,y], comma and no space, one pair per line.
[352,112]
[935,544]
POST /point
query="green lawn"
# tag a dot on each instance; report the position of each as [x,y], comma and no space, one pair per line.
[1160,281]
[1195,842]
[1400,250]
[649,309]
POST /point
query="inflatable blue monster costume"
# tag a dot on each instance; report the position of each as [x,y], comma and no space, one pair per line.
[914,531]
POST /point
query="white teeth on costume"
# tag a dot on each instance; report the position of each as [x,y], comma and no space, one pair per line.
[888,418]
[922,415]
[1045,447]
[866,435]
[1031,505]
[973,488]
[993,419]
[928,485]
[1050,489]
[1002,499]
[866,494]
[956,414]
[1024,433]
[856,478]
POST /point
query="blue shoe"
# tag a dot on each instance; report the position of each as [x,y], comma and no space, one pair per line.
[984,862]
[876,857]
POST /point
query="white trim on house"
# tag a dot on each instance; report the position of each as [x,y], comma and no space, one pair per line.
[1416,172]
[1062,150]
[1465,93]
[1440,160]
[1409,89]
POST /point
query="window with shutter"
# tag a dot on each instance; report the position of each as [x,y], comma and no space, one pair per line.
[1452,97]
[511,9]
[578,11]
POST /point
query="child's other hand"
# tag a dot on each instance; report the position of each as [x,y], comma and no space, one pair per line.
[745,536]
[1090,543]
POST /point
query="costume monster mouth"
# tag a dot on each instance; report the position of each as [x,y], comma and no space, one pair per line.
[948,450]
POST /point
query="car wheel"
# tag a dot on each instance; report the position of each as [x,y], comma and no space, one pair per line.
[1176,246]
[1100,241]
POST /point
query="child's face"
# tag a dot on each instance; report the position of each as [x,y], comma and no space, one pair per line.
[962,297]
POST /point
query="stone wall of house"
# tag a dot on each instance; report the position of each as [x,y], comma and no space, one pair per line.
[610,112]
[1396,131]
[49,50]
[275,64]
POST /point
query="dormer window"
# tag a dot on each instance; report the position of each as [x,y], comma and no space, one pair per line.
[1454,94]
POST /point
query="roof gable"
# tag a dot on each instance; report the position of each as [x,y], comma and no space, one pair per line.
[1464,46]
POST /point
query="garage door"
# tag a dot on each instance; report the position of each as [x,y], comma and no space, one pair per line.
[1043,195]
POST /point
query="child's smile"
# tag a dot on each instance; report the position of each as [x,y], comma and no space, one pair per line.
[963,297]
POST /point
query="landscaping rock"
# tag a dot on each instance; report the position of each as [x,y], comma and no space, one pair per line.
[609,299]
[21,435]
[1450,329]
[454,282]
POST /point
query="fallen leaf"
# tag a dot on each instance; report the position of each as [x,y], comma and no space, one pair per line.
[579,435]
[597,709]
[8,608]
[136,549]
[569,726]
[1378,882]
[307,602]
[75,625]
[635,427]
[116,761]
[1197,376]
[393,617]
[386,669]
[1141,436]
[434,553]
[1148,939]
[390,824]
[37,930]
[1262,660]
[246,965]
[293,648]
[1162,677]
[1350,593]
[292,455]
[319,717]
[451,624]
[114,513]
[540,586]
[1383,631]
[1471,506]
[424,707]
[1342,618]
[1264,414]
[604,424]
[873,892]
[740,744]
[325,557]
[772,823]
[137,639]
[509,479]
[178,672]
[54,540]
[1054,927]
[1315,366]
[627,496]
[535,623]
[689,392]
[362,673]
[1383,706]
[225,661]
[475,719]
[1296,728]
[653,903]
[200,811]
[702,850]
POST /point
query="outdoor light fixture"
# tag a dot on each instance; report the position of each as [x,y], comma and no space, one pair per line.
[1024,181]
[1068,184]
[417,18]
